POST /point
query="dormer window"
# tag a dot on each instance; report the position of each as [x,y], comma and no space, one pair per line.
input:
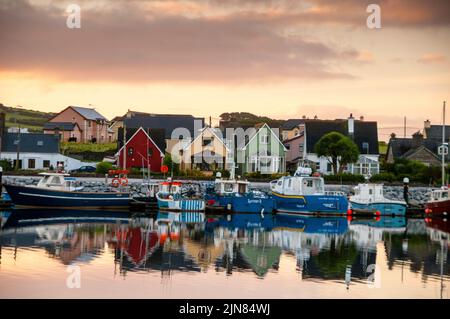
[365,147]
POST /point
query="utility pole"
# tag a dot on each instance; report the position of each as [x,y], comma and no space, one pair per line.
[124,146]
[444,146]
[404,127]
[18,141]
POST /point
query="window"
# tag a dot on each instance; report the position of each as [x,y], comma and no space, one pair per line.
[207,141]
[130,151]
[46,163]
[60,164]
[365,147]
[264,139]
[31,163]
[40,143]
[288,146]
[150,152]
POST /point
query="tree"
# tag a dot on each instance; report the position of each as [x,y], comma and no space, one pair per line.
[340,150]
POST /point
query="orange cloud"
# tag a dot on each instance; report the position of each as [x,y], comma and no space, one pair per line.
[432,58]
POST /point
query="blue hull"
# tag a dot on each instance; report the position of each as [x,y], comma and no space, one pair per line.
[383,208]
[38,197]
[242,204]
[310,204]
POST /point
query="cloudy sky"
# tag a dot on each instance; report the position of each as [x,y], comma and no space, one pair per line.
[279,58]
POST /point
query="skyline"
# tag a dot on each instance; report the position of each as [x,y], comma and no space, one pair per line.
[282,59]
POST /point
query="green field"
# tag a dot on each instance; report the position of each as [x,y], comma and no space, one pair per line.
[74,147]
[33,120]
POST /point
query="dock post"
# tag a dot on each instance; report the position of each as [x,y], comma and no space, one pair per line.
[406,190]
[1,182]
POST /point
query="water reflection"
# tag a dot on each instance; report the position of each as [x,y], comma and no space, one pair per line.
[331,249]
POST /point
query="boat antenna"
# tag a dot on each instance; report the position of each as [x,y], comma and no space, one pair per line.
[444,148]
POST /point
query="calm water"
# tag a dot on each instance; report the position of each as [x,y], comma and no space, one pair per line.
[192,255]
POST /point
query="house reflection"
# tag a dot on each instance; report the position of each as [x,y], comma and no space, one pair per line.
[331,248]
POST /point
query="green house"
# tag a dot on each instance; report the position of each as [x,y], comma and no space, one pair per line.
[261,152]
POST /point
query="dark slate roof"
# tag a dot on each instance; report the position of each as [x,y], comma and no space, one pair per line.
[89,113]
[167,122]
[62,126]
[157,135]
[292,123]
[435,132]
[365,132]
[31,143]
[402,147]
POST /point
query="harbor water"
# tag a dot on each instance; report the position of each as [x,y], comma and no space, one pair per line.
[100,254]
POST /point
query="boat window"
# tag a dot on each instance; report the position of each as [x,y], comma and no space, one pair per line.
[228,188]
[309,183]
[445,195]
[45,179]
[370,192]
[290,182]
[55,181]
[242,188]
[279,183]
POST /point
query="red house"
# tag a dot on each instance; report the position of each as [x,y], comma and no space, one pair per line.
[141,151]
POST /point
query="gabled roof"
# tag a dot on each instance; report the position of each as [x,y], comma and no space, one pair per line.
[292,123]
[214,131]
[403,147]
[294,138]
[364,132]
[61,126]
[243,146]
[31,143]
[88,113]
[167,122]
[435,132]
[412,151]
[148,136]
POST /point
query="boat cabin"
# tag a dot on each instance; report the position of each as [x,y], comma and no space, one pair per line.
[230,187]
[296,185]
[369,192]
[58,181]
[170,187]
[441,194]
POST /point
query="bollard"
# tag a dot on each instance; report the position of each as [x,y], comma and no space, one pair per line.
[406,190]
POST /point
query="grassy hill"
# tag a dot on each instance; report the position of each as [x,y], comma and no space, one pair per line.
[33,120]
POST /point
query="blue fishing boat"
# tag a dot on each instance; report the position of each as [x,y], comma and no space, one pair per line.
[234,195]
[178,196]
[370,198]
[305,194]
[60,190]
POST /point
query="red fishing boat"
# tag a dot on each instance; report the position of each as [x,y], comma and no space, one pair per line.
[439,204]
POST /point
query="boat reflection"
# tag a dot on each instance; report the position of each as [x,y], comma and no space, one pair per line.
[324,248]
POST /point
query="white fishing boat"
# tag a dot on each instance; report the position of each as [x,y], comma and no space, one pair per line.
[370,198]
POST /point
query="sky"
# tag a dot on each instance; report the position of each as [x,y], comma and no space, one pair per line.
[277,58]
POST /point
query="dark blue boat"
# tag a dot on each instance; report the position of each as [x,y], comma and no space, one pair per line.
[55,190]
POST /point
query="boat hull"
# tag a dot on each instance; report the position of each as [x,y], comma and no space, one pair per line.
[242,204]
[441,208]
[38,197]
[182,204]
[311,204]
[383,208]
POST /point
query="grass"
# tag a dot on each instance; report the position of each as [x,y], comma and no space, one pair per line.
[74,147]
[33,120]
[382,148]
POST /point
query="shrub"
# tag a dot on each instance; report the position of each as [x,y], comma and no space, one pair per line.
[345,177]
[384,177]
[103,167]
[6,165]
[253,175]
[225,173]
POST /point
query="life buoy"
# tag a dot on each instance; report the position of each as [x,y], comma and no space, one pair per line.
[115,182]
[124,181]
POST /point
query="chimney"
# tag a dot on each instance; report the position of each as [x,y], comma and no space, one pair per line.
[427,124]
[361,118]
[417,139]
[351,125]
[304,117]
[315,117]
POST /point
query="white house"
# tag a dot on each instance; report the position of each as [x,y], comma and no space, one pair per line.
[36,151]
[363,133]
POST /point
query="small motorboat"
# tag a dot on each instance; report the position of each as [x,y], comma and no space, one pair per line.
[60,190]
[439,202]
[234,195]
[305,193]
[369,198]
[178,196]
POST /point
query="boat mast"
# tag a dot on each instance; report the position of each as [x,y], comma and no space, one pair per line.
[444,151]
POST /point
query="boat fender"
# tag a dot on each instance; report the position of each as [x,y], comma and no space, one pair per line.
[115,182]
[229,206]
[262,213]
[124,181]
